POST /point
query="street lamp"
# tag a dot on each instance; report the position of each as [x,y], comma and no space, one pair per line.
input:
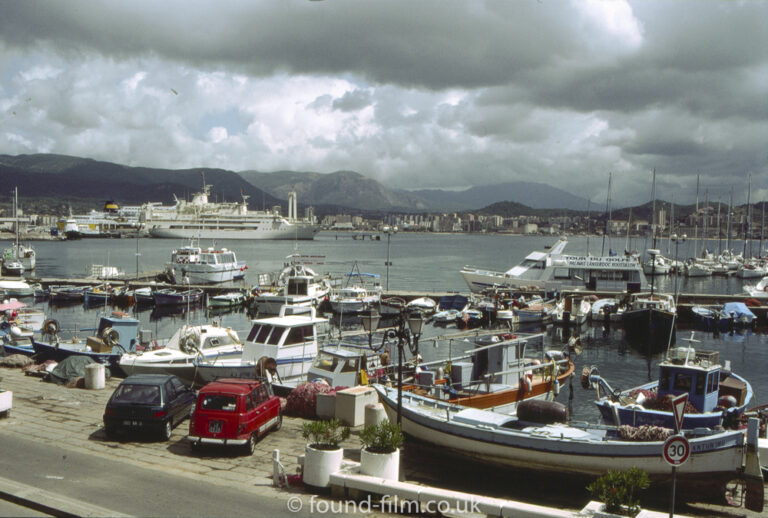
[677,240]
[407,330]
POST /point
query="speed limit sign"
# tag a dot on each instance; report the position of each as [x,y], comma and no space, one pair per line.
[677,449]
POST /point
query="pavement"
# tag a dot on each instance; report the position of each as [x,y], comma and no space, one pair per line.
[53,414]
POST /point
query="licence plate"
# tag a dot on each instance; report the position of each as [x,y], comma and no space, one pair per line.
[128,422]
[214,427]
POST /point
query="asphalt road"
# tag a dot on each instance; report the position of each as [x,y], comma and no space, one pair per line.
[128,489]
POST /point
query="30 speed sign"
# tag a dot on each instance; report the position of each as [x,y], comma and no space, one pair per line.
[677,449]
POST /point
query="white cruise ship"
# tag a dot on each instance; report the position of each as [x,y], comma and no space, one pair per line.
[553,270]
[201,219]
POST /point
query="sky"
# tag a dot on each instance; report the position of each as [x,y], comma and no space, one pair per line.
[415,94]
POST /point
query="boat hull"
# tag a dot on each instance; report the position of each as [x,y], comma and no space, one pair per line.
[299,231]
[649,329]
[718,458]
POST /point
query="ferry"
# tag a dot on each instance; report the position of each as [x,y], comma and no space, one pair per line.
[202,219]
[553,270]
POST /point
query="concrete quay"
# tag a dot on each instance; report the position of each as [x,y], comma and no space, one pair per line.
[45,413]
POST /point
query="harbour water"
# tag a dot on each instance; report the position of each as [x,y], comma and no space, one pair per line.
[423,263]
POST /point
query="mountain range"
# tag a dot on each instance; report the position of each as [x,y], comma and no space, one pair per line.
[58,182]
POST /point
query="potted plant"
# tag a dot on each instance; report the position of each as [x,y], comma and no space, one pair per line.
[322,455]
[380,455]
[619,491]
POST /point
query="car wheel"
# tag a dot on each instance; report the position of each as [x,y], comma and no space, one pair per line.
[167,429]
[250,446]
[279,422]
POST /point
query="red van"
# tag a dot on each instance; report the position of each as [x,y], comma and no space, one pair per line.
[234,412]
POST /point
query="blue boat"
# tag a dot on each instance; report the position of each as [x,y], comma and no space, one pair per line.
[15,340]
[733,315]
[716,396]
[116,334]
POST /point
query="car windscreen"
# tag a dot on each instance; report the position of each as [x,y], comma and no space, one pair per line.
[138,394]
[222,402]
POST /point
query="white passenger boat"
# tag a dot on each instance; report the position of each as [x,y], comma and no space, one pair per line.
[759,290]
[534,440]
[200,266]
[177,356]
[203,219]
[554,270]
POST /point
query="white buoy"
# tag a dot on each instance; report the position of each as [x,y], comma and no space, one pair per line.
[94,376]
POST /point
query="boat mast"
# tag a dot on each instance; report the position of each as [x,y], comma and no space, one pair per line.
[762,229]
[671,226]
[706,222]
[653,210]
[696,222]
[588,227]
[728,236]
[16,221]
[627,251]
[746,222]
[719,230]
[606,229]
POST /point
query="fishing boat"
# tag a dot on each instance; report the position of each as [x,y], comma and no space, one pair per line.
[18,258]
[12,266]
[286,345]
[497,374]
[726,317]
[536,440]
[226,300]
[116,334]
[16,289]
[177,355]
[172,297]
[609,306]
[66,293]
[449,308]
[194,265]
[649,320]
[297,285]
[553,270]
[717,396]
[361,292]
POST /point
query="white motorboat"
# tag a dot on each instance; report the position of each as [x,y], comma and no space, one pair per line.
[16,289]
[226,300]
[358,295]
[696,269]
[12,267]
[284,345]
[178,354]
[609,305]
[535,439]
[203,219]
[193,265]
[751,270]
[426,305]
[759,290]
[297,285]
[657,265]
[553,270]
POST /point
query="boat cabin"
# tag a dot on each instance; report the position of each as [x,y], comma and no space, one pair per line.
[288,339]
[117,333]
[698,373]
[338,367]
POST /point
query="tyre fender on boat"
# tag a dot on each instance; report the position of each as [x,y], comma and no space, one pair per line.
[110,336]
[50,327]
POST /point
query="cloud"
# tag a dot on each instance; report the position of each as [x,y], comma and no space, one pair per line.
[432,94]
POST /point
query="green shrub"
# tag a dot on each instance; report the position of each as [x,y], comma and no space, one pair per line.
[618,490]
[324,435]
[384,437]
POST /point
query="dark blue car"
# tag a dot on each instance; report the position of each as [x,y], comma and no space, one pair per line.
[148,404]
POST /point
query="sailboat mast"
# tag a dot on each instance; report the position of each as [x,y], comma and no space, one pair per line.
[762,229]
[588,227]
[719,230]
[653,209]
[627,250]
[746,222]
[671,229]
[730,209]
[705,234]
[696,222]
[606,230]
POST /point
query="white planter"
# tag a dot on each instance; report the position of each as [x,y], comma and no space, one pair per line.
[319,464]
[6,400]
[383,465]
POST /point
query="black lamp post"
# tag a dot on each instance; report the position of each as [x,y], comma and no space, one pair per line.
[406,331]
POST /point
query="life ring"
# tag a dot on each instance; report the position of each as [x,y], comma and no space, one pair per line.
[528,381]
[110,336]
[187,344]
[50,327]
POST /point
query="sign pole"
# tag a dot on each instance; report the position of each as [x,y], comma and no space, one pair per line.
[672,497]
